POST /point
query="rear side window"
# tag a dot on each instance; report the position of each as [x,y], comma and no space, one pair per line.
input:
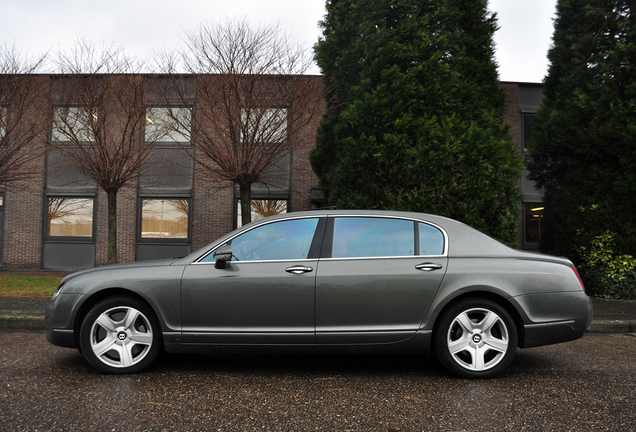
[431,240]
[372,237]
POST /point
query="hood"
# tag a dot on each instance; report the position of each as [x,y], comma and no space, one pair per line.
[122,266]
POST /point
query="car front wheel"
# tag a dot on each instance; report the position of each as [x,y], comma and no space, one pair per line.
[120,335]
[475,338]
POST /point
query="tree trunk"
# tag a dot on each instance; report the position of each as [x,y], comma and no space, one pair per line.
[112,226]
[246,203]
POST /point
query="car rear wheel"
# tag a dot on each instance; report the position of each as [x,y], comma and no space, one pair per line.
[475,338]
[120,335]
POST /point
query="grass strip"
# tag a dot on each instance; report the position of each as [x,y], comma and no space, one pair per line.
[28,286]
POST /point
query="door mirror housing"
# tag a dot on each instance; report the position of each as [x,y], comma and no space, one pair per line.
[222,255]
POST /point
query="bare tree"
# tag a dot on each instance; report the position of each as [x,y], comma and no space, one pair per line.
[22,115]
[252,100]
[98,121]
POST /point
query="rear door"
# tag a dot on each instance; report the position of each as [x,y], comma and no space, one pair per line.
[377,278]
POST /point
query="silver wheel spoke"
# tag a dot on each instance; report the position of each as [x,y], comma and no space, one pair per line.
[141,338]
[104,321]
[465,322]
[496,344]
[478,358]
[459,345]
[130,318]
[104,346]
[488,322]
[125,355]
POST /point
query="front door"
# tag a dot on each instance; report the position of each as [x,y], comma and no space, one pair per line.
[264,295]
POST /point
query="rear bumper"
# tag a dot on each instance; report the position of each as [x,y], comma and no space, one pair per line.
[572,326]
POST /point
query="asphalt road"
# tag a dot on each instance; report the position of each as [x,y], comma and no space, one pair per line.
[586,385]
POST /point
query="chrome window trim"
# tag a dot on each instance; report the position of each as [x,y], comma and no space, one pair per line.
[307,260]
[443,231]
[394,257]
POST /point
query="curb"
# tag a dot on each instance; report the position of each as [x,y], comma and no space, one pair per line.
[613,326]
[23,323]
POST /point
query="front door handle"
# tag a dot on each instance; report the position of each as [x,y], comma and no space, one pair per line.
[428,267]
[298,269]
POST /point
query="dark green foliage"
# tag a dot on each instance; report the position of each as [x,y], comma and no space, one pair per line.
[415,112]
[599,283]
[584,154]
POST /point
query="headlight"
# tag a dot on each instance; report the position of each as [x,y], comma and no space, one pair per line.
[59,289]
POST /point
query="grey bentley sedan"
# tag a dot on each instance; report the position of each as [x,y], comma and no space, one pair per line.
[325,281]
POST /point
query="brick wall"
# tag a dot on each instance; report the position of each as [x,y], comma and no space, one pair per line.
[23,202]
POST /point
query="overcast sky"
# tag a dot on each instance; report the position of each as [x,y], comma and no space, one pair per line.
[142,26]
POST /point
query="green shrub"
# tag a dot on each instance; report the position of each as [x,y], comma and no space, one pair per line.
[604,274]
[599,283]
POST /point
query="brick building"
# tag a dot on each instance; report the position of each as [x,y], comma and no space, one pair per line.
[58,218]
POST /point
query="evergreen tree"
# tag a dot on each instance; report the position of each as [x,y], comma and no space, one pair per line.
[415,112]
[584,154]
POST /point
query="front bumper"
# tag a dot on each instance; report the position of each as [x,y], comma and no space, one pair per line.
[60,316]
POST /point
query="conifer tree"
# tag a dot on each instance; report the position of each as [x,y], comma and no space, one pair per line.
[415,112]
[584,152]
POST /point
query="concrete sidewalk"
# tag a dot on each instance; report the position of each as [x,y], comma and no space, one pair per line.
[610,316]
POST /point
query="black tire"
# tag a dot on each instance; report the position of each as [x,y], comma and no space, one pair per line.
[475,338]
[120,335]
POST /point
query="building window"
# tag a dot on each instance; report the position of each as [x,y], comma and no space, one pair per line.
[264,125]
[73,124]
[533,218]
[164,218]
[168,124]
[70,217]
[528,131]
[3,122]
[262,208]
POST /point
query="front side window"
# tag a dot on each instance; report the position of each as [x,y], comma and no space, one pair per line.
[164,218]
[70,217]
[262,208]
[73,124]
[284,240]
[372,237]
[168,124]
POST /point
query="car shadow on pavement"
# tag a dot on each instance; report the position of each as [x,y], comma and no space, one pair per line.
[298,364]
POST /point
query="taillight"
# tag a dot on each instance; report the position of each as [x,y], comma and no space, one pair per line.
[577,276]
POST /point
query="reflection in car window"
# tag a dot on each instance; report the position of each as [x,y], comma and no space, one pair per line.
[372,237]
[285,240]
[431,240]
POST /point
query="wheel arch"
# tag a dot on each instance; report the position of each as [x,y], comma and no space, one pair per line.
[499,299]
[100,295]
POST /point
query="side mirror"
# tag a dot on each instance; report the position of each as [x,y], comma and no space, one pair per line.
[221,256]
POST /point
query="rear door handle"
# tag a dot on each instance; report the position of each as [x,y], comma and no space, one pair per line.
[298,269]
[428,267]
